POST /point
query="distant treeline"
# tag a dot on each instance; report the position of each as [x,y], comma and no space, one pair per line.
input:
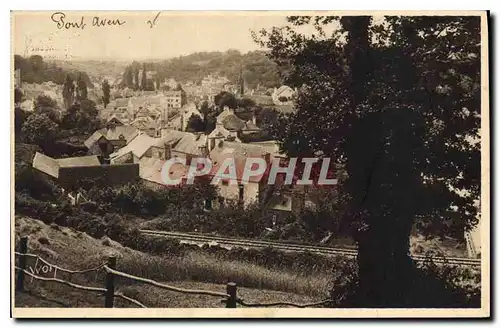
[35,70]
[257,69]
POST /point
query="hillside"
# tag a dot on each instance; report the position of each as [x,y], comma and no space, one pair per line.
[256,67]
[35,70]
[76,250]
[94,68]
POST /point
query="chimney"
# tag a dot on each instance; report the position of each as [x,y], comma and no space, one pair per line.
[211,144]
[168,151]
[203,150]
[267,158]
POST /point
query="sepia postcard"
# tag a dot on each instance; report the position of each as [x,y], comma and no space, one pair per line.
[258,164]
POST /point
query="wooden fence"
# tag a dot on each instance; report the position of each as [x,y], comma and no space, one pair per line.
[230,297]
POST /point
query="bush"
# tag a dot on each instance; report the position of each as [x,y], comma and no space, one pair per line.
[430,286]
[139,199]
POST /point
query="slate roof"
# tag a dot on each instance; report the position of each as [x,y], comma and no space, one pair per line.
[46,164]
[246,149]
[235,159]
[78,161]
[119,102]
[151,169]
[233,123]
[280,202]
[113,133]
[144,122]
[190,143]
[114,117]
[138,146]
[93,139]
[51,166]
[250,126]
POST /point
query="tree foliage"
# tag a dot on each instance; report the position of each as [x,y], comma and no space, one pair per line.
[81,88]
[398,104]
[195,124]
[68,92]
[35,70]
[105,92]
[18,96]
[40,130]
[46,105]
[224,99]
[82,117]
[258,70]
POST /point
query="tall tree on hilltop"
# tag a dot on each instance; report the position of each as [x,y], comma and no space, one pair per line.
[68,92]
[136,79]
[144,80]
[105,92]
[129,77]
[205,110]
[398,104]
[81,88]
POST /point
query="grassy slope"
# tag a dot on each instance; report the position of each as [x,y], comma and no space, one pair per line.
[76,250]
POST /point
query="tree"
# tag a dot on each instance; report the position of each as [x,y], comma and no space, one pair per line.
[37,63]
[246,103]
[20,117]
[82,117]
[224,99]
[136,79]
[46,105]
[143,77]
[400,109]
[40,130]
[68,92]
[81,88]
[205,110]
[195,124]
[105,91]
[18,96]
[267,117]
[129,77]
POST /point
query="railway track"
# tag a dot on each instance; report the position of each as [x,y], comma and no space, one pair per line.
[247,243]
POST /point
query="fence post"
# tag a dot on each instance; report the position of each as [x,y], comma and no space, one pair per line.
[23,249]
[231,291]
[110,284]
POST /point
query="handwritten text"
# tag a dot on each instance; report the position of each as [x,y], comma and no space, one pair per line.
[62,22]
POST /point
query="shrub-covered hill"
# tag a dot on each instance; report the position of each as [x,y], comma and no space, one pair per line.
[35,70]
[257,69]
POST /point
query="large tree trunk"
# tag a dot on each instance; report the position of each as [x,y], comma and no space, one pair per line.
[385,267]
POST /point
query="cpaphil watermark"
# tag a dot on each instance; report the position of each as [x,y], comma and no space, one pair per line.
[304,171]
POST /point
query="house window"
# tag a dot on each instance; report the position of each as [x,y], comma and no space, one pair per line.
[224,182]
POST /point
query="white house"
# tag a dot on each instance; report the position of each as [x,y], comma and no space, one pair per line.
[283,95]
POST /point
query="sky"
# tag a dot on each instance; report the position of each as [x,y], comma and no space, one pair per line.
[172,35]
